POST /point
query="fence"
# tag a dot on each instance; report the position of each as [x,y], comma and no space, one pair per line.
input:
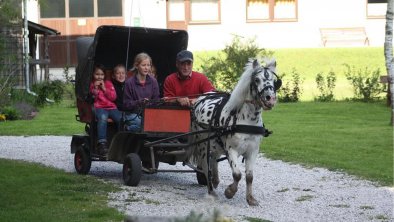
[11,55]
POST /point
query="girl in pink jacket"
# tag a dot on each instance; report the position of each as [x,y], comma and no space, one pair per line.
[104,95]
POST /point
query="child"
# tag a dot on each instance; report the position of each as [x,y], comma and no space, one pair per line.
[118,79]
[139,89]
[104,104]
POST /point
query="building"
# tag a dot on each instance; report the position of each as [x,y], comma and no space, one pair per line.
[212,24]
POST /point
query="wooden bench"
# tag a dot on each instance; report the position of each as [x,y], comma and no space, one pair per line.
[354,34]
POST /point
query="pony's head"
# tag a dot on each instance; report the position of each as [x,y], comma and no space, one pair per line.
[264,83]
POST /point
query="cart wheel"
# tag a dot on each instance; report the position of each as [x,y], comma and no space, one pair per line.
[132,169]
[82,161]
[201,179]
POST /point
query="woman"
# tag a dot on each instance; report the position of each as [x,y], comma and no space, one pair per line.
[139,89]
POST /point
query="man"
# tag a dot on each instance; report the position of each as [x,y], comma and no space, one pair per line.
[185,85]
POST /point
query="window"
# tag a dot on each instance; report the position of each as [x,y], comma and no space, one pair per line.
[81,8]
[204,10]
[176,10]
[52,9]
[109,8]
[194,11]
[376,8]
[271,10]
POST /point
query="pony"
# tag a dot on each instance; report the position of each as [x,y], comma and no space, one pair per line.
[235,120]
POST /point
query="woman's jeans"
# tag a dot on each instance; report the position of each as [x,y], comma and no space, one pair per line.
[102,117]
[132,122]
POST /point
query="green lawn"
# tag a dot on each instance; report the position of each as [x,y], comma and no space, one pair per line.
[351,136]
[309,62]
[55,119]
[31,192]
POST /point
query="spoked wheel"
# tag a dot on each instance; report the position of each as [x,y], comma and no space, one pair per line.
[201,179]
[82,161]
[132,169]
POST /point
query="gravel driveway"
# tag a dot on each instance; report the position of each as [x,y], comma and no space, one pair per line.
[287,192]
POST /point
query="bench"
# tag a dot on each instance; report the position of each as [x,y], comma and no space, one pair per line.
[344,35]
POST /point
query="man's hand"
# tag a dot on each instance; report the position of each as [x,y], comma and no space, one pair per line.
[184,101]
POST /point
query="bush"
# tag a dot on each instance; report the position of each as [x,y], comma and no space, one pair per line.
[326,87]
[26,110]
[366,83]
[49,90]
[291,91]
[20,95]
[10,113]
[224,71]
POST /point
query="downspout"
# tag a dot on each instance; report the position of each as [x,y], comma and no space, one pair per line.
[26,51]
[26,48]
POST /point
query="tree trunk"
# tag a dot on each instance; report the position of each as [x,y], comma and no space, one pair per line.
[388,54]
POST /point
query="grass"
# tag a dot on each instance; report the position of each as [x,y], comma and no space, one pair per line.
[351,136]
[309,62]
[31,192]
[343,136]
[55,119]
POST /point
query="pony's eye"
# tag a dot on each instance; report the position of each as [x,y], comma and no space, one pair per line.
[257,80]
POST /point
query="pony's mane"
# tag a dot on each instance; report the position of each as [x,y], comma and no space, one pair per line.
[241,89]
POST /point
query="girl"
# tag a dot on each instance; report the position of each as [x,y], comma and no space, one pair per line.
[138,90]
[104,98]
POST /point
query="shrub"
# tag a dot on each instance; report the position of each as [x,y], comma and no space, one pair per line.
[366,83]
[326,86]
[26,110]
[10,113]
[291,90]
[224,71]
[20,95]
[49,90]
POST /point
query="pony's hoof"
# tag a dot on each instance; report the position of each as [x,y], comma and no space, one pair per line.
[252,201]
[229,193]
[215,183]
[213,194]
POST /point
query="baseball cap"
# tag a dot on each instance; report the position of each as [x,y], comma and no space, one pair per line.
[184,55]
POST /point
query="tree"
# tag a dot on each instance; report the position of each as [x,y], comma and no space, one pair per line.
[388,54]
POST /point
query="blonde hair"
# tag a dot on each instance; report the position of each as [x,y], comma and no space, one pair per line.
[119,66]
[141,57]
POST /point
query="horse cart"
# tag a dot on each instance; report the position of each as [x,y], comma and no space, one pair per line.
[219,124]
[165,134]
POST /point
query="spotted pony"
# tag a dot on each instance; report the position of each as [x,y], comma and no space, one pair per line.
[236,122]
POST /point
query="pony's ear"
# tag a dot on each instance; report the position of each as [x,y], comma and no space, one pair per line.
[255,63]
[271,65]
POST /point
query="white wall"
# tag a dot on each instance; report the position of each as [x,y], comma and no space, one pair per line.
[304,33]
[312,15]
[148,13]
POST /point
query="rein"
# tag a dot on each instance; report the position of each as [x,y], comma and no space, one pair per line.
[195,95]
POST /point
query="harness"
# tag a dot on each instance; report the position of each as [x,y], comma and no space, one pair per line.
[214,122]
